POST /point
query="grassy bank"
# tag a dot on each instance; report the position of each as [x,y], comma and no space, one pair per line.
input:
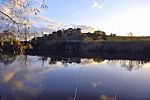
[62,41]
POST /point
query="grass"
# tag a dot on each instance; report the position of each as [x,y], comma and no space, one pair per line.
[126,38]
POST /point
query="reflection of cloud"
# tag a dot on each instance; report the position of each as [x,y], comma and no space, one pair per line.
[95,84]
[7,76]
[105,97]
[18,84]
[97,5]
[88,62]
[128,64]
[19,79]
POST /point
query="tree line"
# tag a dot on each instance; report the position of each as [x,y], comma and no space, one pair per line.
[72,34]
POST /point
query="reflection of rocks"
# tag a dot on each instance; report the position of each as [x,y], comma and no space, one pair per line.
[128,64]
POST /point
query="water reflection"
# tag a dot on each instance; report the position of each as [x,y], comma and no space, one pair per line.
[7,59]
[128,64]
[27,77]
[105,97]
[22,77]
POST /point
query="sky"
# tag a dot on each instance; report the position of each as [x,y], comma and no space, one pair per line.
[112,16]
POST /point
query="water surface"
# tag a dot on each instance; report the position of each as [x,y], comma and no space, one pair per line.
[51,78]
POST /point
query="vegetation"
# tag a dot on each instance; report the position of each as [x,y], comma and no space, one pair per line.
[10,44]
[71,35]
[15,15]
[74,40]
[15,23]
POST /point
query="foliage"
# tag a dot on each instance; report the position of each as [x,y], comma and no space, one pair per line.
[15,14]
[88,39]
[71,35]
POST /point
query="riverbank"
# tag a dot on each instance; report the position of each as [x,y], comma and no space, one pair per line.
[98,46]
[79,47]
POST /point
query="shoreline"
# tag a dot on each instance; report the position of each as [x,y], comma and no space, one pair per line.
[132,50]
[98,46]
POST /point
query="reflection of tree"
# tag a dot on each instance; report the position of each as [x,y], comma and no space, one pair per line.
[25,60]
[98,60]
[64,60]
[7,59]
[128,64]
[43,58]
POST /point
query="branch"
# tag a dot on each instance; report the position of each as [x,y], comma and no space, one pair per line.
[8,17]
[11,20]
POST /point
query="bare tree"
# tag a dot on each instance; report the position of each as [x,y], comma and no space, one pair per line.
[130,34]
[15,14]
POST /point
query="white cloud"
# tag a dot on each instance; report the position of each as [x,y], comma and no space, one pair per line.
[41,20]
[84,28]
[46,25]
[97,5]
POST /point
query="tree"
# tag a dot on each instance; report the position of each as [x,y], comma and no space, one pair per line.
[113,35]
[101,33]
[15,14]
[98,32]
[130,34]
[59,33]
[7,36]
[78,30]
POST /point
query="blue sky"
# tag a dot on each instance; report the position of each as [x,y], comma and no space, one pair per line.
[116,16]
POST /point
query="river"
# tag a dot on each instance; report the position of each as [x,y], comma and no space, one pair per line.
[26,77]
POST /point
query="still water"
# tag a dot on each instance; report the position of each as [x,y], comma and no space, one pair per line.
[51,78]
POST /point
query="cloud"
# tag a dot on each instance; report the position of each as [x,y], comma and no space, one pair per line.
[41,23]
[85,28]
[45,24]
[97,5]
[49,23]
[43,19]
